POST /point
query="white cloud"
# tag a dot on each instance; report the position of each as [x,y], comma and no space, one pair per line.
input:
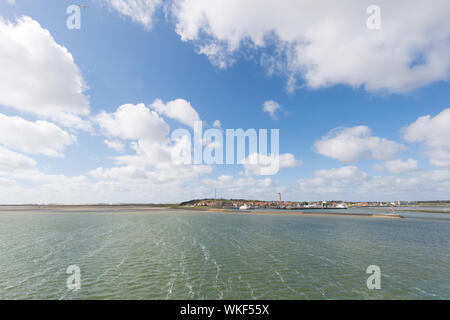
[178,109]
[182,173]
[218,54]
[271,108]
[399,166]
[325,43]
[140,11]
[335,181]
[128,172]
[10,160]
[344,173]
[116,145]
[133,122]
[113,185]
[121,185]
[244,187]
[350,183]
[147,153]
[434,133]
[134,174]
[39,76]
[148,132]
[332,181]
[7,183]
[259,164]
[350,144]
[33,137]
[225,178]
[415,185]
[217,124]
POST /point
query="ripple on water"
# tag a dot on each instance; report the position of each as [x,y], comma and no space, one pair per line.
[196,256]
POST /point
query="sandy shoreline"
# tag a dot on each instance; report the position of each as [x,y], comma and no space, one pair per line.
[143,208]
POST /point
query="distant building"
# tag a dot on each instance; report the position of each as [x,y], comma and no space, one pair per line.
[279,196]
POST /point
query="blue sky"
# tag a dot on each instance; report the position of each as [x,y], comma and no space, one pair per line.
[125,60]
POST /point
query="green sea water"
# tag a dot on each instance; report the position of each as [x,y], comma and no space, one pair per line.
[198,255]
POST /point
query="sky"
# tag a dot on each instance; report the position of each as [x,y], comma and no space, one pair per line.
[361,99]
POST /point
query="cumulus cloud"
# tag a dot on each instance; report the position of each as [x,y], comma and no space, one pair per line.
[260,164]
[181,173]
[398,166]
[147,130]
[178,109]
[34,186]
[140,11]
[7,183]
[218,54]
[137,177]
[40,76]
[271,108]
[325,43]
[133,122]
[320,43]
[332,182]
[351,144]
[140,175]
[127,172]
[33,137]
[243,187]
[225,178]
[148,133]
[116,145]
[434,133]
[10,160]
[344,173]
[350,183]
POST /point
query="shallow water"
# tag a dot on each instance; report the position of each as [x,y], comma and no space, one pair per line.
[197,255]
